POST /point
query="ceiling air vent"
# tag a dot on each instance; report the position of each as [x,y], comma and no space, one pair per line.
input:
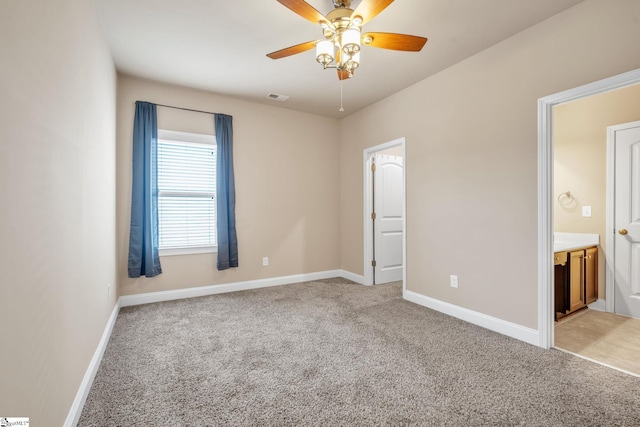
[277,97]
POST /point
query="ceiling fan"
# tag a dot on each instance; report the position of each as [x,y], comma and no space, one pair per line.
[342,34]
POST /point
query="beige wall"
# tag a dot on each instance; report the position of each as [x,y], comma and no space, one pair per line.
[471,145]
[580,161]
[57,220]
[287,187]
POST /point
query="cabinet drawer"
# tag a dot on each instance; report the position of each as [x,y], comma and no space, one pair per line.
[559,258]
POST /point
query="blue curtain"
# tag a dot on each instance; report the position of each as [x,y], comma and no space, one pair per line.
[226,194]
[143,234]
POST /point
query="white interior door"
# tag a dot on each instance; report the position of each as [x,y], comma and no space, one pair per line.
[389,211]
[626,139]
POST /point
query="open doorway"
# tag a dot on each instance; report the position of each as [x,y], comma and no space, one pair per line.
[578,203]
[587,135]
[384,172]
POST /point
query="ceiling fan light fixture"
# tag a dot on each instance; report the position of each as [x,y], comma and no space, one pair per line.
[324,52]
[342,34]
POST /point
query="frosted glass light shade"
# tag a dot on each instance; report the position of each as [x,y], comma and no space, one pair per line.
[324,52]
[351,41]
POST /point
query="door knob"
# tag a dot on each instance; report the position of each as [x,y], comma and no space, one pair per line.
[623,231]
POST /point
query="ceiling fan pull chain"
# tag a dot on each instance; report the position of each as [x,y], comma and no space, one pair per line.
[341,108]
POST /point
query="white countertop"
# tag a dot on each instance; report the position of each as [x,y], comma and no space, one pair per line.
[570,241]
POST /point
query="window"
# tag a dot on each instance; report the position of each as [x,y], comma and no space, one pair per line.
[186,192]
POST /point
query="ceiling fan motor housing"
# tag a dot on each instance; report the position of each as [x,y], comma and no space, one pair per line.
[340,20]
[343,3]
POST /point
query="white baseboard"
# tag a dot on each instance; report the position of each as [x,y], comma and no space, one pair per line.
[352,276]
[85,386]
[599,305]
[528,335]
[151,297]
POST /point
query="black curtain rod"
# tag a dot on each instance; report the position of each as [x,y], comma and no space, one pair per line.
[185,109]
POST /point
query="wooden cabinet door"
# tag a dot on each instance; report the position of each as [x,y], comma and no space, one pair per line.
[590,275]
[576,278]
[561,284]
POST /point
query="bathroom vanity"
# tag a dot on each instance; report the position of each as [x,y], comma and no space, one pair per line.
[575,262]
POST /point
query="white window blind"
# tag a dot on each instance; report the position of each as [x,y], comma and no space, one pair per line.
[187,192]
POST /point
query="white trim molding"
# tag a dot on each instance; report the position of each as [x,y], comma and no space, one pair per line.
[500,326]
[201,291]
[87,381]
[610,261]
[545,190]
[599,305]
[352,276]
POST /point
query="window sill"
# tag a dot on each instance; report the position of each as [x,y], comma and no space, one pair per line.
[188,251]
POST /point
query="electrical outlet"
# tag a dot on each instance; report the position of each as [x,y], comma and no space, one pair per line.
[265,261]
[108,290]
[586,211]
[454,281]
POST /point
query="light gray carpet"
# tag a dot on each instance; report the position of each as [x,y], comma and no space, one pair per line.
[331,353]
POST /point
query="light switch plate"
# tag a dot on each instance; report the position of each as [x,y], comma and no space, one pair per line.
[586,211]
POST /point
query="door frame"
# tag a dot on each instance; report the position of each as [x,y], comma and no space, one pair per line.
[367,201]
[545,192]
[611,210]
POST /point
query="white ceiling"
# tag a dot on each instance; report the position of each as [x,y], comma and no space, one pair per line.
[221,45]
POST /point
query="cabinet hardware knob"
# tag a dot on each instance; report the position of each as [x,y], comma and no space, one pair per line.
[623,231]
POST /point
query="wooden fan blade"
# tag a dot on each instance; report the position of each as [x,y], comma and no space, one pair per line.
[369,9]
[292,50]
[343,75]
[394,41]
[304,9]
